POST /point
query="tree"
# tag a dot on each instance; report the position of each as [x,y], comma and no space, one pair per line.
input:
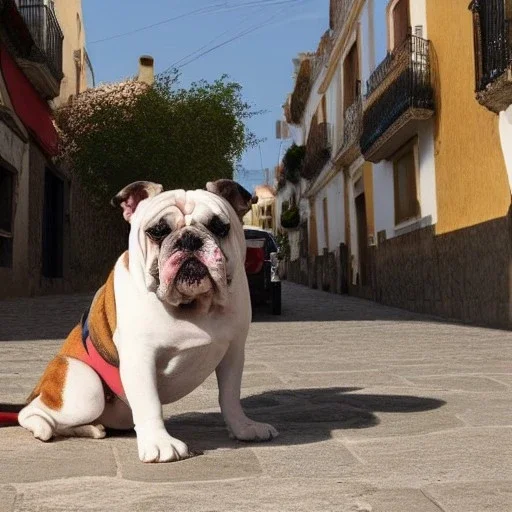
[182,138]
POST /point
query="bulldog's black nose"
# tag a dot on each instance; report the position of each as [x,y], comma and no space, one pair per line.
[189,242]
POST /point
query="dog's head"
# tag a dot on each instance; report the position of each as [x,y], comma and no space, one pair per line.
[187,244]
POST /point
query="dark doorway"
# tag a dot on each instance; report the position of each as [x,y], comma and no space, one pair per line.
[53,225]
[362,239]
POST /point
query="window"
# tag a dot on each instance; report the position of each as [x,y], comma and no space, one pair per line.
[6,216]
[404,175]
[351,83]
[400,21]
[326,222]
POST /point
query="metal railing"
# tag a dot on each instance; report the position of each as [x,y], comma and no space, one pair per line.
[46,32]
[413,50]
[339,15]
[405,77]
[318,150]
[493,39]
[352,124]
[321,59]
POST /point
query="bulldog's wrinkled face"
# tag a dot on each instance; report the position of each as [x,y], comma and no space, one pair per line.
[192,234]
[191,243]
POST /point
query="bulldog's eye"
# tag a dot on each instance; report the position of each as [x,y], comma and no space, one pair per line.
[217,227]
[158,232]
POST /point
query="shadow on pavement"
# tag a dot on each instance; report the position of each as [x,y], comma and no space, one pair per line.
[302,416]
[52,318]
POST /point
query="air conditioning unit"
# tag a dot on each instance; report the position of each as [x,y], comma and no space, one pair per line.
[282,130]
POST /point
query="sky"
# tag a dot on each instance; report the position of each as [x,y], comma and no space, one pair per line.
[267,35]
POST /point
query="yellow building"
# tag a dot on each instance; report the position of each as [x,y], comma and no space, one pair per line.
[448,248]
[412,95]
[76,65]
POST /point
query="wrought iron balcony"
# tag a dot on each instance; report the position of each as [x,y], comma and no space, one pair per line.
[349,148]
[339,14]
[318,150]
[399,96]
[44,65]
[492,21]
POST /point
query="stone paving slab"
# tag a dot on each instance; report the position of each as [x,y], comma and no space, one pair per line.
[458,455]
[262,494]
[379,410]
[473,497]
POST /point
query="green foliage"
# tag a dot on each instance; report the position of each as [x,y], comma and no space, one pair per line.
[292,162]
[284,246]
[290,218]
[179,137]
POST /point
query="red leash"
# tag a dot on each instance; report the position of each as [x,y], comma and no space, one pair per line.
[8,418]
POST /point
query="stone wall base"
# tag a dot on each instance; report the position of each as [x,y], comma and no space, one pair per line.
[465,275]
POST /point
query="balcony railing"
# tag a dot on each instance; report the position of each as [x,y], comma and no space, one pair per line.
[318,150]
[322,55]
[340,10]
[398,91]
[493,52]
[352,128]
[46,32]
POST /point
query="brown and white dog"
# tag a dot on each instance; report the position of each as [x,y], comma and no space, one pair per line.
[175,308]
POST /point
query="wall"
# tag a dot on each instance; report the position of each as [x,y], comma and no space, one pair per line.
[69,14]
[373,37]
[464,274]
[15,152]
[333,191]
[471,178]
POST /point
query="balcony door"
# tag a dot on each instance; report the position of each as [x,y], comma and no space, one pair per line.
[351,81]
[400,22]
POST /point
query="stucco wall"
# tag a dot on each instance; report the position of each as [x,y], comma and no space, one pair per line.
[384,189]
[333,191]
[16,153]
[472,183]
[69,14]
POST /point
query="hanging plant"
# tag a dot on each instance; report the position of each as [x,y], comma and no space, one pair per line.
[290,218]
[292,162]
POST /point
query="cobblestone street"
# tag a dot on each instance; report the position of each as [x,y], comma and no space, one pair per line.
[379,410]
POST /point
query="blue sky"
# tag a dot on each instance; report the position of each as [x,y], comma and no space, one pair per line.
[261,60]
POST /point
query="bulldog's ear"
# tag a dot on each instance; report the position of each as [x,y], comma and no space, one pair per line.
[236,195]
[131,195]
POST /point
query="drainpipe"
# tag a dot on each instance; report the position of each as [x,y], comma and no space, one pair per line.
[146,70]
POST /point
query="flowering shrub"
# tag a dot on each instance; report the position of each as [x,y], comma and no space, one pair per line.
[119,133]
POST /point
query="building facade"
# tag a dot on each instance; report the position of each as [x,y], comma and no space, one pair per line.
[422,144]
[51,239]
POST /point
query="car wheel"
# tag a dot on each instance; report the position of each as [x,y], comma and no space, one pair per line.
[276,298]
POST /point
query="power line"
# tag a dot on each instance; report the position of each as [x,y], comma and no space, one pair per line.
[162,22]
[191,54]
[237,36]
[208,9]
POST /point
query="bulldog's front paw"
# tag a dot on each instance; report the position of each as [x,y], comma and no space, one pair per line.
[252,431]
[159,446]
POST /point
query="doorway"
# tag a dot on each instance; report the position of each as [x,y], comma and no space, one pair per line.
[53,225]
[362,239]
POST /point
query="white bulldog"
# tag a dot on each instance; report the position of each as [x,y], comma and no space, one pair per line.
[175,308]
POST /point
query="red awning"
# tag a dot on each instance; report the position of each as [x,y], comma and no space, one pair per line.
[33,111]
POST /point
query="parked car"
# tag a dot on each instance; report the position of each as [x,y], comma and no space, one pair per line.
[262,268]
